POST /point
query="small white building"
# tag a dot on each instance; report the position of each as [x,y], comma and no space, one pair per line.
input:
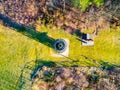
[87,40]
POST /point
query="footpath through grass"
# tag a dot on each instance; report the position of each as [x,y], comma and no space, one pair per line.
[17,48]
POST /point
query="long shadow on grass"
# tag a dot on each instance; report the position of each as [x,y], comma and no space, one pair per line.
[28,31]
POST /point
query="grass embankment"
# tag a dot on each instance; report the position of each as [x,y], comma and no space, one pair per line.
[16,49]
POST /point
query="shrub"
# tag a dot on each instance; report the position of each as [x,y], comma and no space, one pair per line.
[83,4]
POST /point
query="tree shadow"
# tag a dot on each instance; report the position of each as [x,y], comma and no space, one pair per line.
[28,72]
[101,63]
[28,31]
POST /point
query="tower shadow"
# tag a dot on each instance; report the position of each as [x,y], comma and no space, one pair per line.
[28,31]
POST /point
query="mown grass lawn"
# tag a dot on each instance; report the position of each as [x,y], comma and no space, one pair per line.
[17,48]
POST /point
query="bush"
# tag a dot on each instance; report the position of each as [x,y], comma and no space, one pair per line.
[83,4]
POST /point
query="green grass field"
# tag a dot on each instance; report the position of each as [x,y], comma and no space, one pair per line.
[17,48]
